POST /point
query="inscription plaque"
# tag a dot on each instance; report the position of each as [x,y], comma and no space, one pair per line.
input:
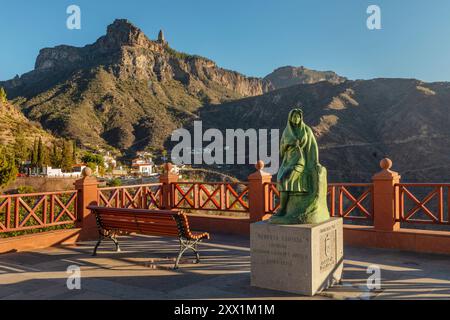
[327,250]
[301,259]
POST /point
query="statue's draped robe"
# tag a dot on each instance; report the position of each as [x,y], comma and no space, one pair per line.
[299,154]
[301,176]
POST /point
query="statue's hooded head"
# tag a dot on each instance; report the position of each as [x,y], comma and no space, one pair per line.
[295,118]
[295,128]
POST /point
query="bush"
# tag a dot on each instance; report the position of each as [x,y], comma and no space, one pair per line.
[116,182]
[25,189]
[90,158]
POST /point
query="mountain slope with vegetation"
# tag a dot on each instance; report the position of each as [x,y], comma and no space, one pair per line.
[13,124]
[128,92]
[124,90]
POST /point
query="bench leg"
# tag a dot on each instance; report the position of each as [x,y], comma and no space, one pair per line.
[106,236]
[116,243]
[97,245]
[180,254]
[197,255]
[185,245]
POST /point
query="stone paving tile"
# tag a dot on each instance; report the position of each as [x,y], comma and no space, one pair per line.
[232,286]
[143,270]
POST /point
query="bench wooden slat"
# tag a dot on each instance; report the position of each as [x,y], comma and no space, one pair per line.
[166,223]
[143,230]
[171,222]
[162,217]
[133,224]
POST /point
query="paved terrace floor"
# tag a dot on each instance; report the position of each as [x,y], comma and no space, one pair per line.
[143,271]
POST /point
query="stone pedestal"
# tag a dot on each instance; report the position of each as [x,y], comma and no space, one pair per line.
[302,259]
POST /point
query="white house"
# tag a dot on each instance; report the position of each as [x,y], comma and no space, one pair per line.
[142,167]
[77,170]
[57,173]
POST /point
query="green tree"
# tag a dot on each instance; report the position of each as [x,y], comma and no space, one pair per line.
[55,157]
[93,158]
[94,161]
[21,150]
[74,152]
[3,96]
[66,157]
[34,154]
[8,169]
[40,154]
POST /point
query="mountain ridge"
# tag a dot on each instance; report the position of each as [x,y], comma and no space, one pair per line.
[287,76]
[357,123]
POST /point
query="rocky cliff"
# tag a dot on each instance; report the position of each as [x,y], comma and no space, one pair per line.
[124,90]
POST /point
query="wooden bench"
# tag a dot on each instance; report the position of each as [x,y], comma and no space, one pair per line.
[168,223]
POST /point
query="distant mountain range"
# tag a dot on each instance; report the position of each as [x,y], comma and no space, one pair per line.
[357,123]
[126,92]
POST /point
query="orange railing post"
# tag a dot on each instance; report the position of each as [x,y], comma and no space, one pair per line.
[257,193]
[167,178]
[87,188]
[385,198]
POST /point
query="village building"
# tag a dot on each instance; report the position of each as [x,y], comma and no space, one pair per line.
[142,167]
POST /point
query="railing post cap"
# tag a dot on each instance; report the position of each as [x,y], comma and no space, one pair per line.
[386,173]
[386,164]
[87,172]
[260,173]
[259,165]
[86,179]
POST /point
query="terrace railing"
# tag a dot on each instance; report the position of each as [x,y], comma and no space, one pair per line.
[21,212]
[351,201]
[423,203]
[272,196]
[385,204]
[210,196]
[147,196]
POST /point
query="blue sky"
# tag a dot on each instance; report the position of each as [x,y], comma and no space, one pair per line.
[250,36]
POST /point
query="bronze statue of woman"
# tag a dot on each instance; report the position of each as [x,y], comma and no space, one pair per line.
[302,181]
